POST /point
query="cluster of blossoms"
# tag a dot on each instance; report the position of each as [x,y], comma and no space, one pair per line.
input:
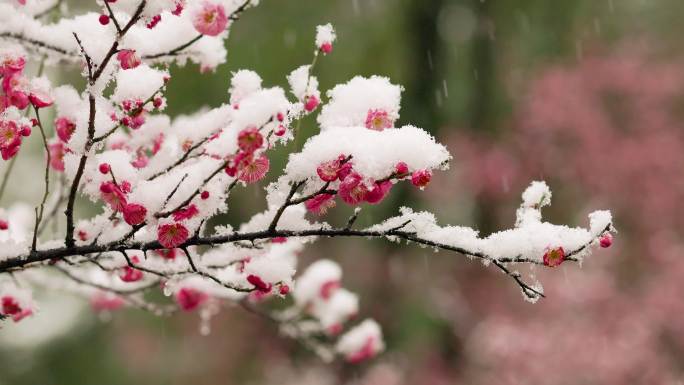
[18,93]
[157,181]
[318,295]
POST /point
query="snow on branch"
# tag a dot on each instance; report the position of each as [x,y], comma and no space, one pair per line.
[156,180]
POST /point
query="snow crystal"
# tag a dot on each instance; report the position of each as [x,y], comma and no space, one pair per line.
[243,83]
[350,102]
[338,309]
[355,339]
[314,277]
[301,84]
[374,153]
[324,34]
[528,240]
[138,83]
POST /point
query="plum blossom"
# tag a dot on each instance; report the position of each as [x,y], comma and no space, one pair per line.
[421,178]
[134,213]
[353,189]
[209,18]
[554,256]
[252,168]
[57,152]
[64,128]
[104,301]
[131,274]
[10,138]
[189,298]
[172,235]
[114,196]
[11,307]
[320,203]
[185,213]
[378,120]
[250,139]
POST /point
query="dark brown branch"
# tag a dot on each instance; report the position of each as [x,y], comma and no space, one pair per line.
[165,214]
[69,212]
[92,78]
[60,253]
[115,46]
[173,192]
[529,291]
[111,16]
[89,62]
[238,12]
[37,43]
[286,204]
[190,261]
[182,159]
[176,51]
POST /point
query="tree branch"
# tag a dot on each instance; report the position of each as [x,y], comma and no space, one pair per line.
[39,210]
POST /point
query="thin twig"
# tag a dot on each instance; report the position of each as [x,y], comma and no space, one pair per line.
[39,210]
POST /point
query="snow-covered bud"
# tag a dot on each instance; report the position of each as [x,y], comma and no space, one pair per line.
[57,151]
[11,61]
[401,169]
[311,103]
[40,94]
[128,59]
[259,284]
[379,192]
[154,21]
[104,301]
[606,240]
[326,47]
[325,36]
[421,178]
[131,274]
[65,128]
[189,298]
[104,168]
[361,343]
